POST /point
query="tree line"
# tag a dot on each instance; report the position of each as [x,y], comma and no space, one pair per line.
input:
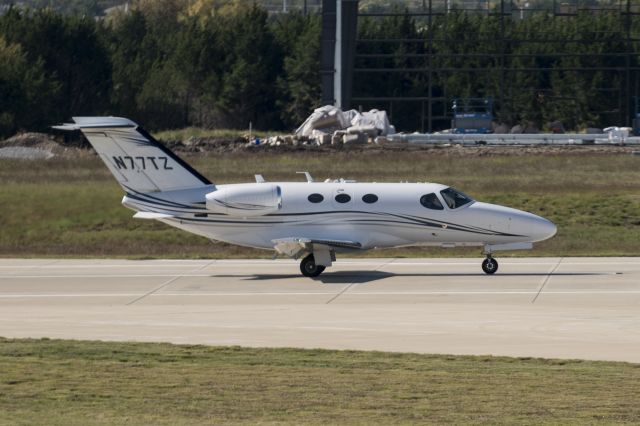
[72,7]
[162,64]
[225,63]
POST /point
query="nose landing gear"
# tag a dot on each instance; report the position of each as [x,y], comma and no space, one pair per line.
[489,265]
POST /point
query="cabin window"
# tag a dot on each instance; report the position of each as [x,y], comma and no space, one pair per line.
[370,198]
[454,198]
[343,198]
[315,198]
[431,201]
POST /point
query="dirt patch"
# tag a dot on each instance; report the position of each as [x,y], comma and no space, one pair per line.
[37,146]
[210,144]
[25,153]
[226,145]
[43,146]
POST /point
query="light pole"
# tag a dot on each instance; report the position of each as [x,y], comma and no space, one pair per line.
[522,8]
[337,76]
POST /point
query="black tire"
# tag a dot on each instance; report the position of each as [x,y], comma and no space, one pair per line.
[490,266]
[309,268]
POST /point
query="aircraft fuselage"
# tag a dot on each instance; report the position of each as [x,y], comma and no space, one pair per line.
[394,218]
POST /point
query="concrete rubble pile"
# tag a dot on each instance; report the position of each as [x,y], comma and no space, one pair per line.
[31,146]
[331,125]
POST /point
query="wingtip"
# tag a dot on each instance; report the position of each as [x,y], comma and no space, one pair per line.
[66,127]
[87,122]
[95,122]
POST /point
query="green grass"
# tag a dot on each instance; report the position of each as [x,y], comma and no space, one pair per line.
[75,382]
[71,207]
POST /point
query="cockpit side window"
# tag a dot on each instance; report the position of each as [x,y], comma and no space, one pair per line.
[454,198]
[431,201]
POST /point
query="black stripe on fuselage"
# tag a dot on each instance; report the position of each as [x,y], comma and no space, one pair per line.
[352,221]
[142,195]
[425,221]
[409,220]
[162,205]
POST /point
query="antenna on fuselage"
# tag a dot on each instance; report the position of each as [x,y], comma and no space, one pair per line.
[307,175]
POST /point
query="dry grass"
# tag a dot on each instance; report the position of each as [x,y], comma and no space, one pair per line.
[189,132]
[71,207]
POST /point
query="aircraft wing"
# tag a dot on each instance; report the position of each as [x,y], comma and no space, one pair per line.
[295,246]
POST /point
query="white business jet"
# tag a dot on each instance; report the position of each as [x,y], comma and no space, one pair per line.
[309,220]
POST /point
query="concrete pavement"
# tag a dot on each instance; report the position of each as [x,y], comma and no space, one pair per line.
[585,308]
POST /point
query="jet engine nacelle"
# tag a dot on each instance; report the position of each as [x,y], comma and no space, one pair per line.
[245,200]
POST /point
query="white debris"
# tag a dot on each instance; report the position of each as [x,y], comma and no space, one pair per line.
[355,138]
[329,120]
[336,139]
[320,137]
[369,130]
[373,119]
[617,135]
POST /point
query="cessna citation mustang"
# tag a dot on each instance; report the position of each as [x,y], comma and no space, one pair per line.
[308,220]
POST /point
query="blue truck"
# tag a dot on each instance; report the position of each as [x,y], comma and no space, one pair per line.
[472,115]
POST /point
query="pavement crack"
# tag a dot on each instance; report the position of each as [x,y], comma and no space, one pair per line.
[546,280]
[166,283]
[44,265]
[340,294]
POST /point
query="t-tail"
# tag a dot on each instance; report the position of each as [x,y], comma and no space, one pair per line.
[139,162]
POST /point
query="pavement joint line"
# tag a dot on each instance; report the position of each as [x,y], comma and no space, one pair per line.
[35,267]
[368,293]
[347,287]
[344,290]
[44,265]
[163,285]
[546,280]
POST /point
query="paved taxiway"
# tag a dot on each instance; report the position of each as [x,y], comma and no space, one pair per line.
[549,307]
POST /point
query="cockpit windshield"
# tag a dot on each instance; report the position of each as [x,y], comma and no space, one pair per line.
[455,198]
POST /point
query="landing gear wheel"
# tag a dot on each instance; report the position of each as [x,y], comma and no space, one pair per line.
[309,268]
[490,265]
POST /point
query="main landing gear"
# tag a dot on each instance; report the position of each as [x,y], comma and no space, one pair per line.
[489,265]
[309,268]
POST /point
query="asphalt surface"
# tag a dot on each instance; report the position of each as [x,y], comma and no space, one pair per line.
[586,308]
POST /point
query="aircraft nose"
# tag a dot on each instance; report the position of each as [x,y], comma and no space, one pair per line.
[541,228]
[515,222]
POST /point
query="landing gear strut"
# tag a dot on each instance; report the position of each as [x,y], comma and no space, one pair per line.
[490,265]
[309,268]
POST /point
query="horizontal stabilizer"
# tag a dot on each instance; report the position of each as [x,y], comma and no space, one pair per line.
[151,215]
[96,123]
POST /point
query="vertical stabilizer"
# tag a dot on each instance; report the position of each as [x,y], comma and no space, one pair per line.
[134,157]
